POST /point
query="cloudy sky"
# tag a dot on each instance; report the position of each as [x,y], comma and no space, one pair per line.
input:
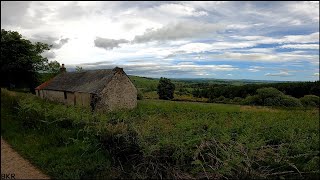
[227,40]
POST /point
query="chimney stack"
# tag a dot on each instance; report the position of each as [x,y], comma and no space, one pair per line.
[118,70]
[62,69]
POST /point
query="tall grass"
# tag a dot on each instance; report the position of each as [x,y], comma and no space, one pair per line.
[52,137]
[168,139]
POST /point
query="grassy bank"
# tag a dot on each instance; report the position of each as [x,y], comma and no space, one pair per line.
[163,139]
[59,148]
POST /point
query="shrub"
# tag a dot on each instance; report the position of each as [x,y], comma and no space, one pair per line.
[165,89]
[237,100]
[310,101]
[252,100]
[272,101]
[269,92]
[272,97]
[139,95]
[289,101]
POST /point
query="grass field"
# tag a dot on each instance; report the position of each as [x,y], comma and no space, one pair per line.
[163,139]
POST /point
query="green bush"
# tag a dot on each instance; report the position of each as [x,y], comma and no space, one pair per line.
[271,97]
[310,101]
[269,92]
[165,89]
[237,100]
[289,101]
[252,100]
[139,95]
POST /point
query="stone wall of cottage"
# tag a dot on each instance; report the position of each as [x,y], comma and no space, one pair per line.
[69,98]
[120,93]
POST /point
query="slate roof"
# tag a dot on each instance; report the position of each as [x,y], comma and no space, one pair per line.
[92,81]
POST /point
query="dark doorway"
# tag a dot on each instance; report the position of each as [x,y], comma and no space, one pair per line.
[93,102]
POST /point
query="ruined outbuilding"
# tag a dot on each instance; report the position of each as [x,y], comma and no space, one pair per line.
[101,90]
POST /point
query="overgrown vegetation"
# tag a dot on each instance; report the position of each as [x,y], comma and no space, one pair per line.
[22,60]
[294,89]
[288,94]
[163,139]
[272,97]
[165,89]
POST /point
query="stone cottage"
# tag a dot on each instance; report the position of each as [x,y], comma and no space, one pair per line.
[101,90]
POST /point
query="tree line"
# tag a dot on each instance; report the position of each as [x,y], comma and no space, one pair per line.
[295,89]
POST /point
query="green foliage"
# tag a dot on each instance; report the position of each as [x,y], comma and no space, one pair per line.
[20,60]
[237,100]
[53,67]
[271,97]
[295,89]
[310,101]
[79,68]
[166,139]
[143,83]
[252,100]
[139,95]
[269,92]
[196,93]
[289,101]
[44,133]
[183,91]
[165,89]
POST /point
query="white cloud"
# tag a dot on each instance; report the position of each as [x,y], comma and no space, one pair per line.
[230,45]
[253,70]
[179,10]
[238,26]
[263,57]
[300,46]
[308,9]
[195,47]
[49,54]
[178,31]
[166,36]
[280,74]
[310,38]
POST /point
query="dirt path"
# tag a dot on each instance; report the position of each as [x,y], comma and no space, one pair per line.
[13,166]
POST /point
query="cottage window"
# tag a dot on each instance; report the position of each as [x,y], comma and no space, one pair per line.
[65,95]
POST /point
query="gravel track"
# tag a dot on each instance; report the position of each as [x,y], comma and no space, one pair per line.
[13,166]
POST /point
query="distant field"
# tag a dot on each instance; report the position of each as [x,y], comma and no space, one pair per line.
[148,87]
[163,139]
[143,82]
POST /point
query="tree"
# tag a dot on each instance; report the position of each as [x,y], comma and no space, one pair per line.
[53,67]
[21,60]
[79,68]
[50,71]
[310,101]
[165,89]
[271,97]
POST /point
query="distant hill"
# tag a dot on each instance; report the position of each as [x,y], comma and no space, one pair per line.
[143,82]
